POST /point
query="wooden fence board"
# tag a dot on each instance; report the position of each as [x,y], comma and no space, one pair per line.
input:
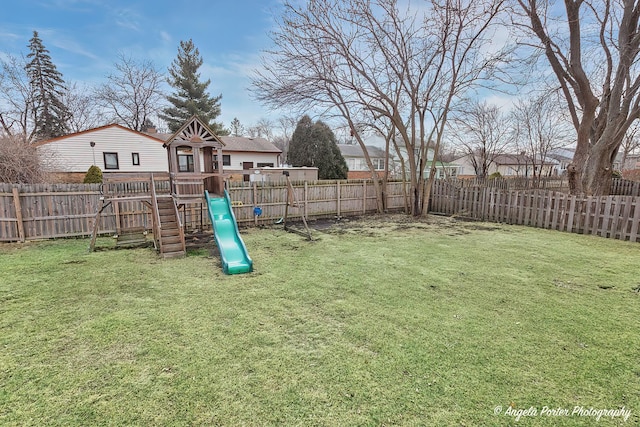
[55,210]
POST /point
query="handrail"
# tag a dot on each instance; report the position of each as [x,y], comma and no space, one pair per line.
[180,225]
[156,212]
[175,208]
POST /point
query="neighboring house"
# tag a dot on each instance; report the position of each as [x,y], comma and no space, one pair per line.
[113,148]
[521,165]
[465,167]
[247,153]
[630,162]
[443,169]
[508,165]
[354,156]
[563,157]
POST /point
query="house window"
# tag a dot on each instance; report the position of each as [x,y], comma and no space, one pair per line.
[135,159]
[351,164]
[110,160]
[226,160]
[185,159]
[265,165]
[378,164]
[185,163]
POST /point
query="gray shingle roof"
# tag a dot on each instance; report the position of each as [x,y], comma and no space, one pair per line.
[237,143]
[354,150]
[241,143]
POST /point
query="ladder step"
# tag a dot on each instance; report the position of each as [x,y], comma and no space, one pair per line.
[171,240]
[172,247]
[173,254]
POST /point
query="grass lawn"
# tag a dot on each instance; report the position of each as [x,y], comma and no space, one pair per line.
[382,321]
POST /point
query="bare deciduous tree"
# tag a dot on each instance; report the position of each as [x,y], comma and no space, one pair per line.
[630,144]
[16,109]
[374,60]
[593,49]
[482,133]
[84,109]
[539,128]
[133,94]
[262,129]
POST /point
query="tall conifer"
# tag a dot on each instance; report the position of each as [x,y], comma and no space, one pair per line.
[190,95]
[50,114]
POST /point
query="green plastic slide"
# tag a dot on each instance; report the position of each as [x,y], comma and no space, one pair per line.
[233,252]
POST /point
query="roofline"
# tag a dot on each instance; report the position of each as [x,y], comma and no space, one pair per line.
[251,151]
[194,117]
[47,141]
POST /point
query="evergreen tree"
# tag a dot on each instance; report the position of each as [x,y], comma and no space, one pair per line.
[301,148]
[236,127]
[190,96]
[48,87]
[329,160]
[314,145]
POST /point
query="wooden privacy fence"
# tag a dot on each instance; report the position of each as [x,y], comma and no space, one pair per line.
[616,217]
[315,199]
[42,211]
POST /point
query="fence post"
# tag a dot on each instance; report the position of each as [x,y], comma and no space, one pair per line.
[16,202]
[255,201]
[364,196]
[338,197]
[306,199]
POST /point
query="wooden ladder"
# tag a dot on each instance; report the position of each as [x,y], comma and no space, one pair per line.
[170,230]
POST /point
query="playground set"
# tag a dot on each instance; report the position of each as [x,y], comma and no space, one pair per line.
[195,176]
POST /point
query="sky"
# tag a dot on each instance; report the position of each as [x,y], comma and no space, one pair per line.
[86,37]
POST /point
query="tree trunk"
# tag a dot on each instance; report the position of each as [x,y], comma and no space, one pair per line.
[596,173]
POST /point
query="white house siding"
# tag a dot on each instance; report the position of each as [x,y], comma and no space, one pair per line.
[74,153]
[238,158]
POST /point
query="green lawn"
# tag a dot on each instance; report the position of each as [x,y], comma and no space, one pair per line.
[379,322]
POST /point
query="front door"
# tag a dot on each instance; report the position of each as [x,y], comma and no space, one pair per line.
[246,166]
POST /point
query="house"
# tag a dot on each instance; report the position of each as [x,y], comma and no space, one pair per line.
[443,169]
[354,156]
[113,148]
[627,163]
[241,154]
[563,157]
[508,165]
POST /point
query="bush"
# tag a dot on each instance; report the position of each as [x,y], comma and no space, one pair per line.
[495,175]
[20,162]
[616,174]
[93,176]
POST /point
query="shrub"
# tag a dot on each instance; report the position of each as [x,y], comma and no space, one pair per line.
[495,175]
[93,176]
[20,162]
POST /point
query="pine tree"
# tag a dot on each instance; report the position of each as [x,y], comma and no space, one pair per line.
[236,127]
[314,145]
[50,113]
[329,160]
[301,146]
[190,96]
